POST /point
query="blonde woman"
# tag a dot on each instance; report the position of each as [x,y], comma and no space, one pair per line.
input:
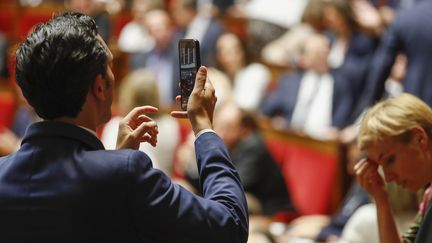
[396,134]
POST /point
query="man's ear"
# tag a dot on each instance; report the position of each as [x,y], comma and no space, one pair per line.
[98,88]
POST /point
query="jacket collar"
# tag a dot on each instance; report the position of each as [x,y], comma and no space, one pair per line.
[61,129]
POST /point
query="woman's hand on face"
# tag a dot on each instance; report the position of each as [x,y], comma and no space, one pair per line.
[136,128]
[367,175]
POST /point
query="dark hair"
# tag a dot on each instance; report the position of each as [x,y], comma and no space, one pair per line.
[57,64]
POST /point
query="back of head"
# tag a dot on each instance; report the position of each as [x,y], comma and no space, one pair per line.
[394,118]
[137,89]
[58,62]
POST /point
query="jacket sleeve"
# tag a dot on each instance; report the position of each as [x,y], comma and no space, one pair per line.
[380,68]
[165,212]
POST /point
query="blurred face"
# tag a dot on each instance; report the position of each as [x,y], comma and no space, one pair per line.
[230,53]
[316,53]
[82,6]
[139,9]
[333,20]
[182,15]
[404,164]
[227,126]
[159,25]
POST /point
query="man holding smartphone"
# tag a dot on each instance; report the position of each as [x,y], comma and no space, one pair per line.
[63,186]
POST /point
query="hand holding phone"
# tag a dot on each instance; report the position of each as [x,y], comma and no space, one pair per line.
[189,63]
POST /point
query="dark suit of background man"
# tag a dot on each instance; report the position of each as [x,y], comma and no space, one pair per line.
[62,186]
[411,34]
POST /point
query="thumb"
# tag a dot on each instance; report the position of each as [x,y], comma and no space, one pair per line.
[200,78]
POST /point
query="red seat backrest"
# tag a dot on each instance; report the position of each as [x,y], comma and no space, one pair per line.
[310,176]
[310,171]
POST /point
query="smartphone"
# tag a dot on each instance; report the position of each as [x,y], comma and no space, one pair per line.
[189,62]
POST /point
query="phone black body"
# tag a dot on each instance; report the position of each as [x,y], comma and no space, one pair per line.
[189,63]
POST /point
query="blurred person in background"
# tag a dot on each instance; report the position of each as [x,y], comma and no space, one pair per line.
[285,50]
[135,37]
[352,47]
[162,58]
[193,24]
[249,79]
[140,88]
[315,100]
[363,224]
[268,21]
[96,9]
[260,174]
[409,36]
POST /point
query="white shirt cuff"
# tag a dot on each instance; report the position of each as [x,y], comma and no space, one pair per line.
[204,131]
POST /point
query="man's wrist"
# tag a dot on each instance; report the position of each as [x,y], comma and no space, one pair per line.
[200,124]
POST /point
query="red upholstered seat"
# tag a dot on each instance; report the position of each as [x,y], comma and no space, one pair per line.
[310,171]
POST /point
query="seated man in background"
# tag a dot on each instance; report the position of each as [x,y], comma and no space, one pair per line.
[315,100]
[261,176]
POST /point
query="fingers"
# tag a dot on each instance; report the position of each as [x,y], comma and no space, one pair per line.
[179,114]
[147,132]
[139,111]
[152,140]
[367,173]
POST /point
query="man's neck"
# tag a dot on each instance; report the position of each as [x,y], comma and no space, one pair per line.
[78,122]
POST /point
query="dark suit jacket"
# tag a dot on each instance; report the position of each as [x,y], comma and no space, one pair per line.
[283,100]
[62,186]
[425,233]
[411,34]
[260,175]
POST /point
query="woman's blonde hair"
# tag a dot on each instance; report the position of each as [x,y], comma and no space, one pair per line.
[137,89]
[394,118]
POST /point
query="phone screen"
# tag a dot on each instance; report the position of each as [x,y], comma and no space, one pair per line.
[189,60]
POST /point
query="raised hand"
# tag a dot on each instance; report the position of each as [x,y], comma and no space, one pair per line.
[201,103]
[136,128]
[368,177]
